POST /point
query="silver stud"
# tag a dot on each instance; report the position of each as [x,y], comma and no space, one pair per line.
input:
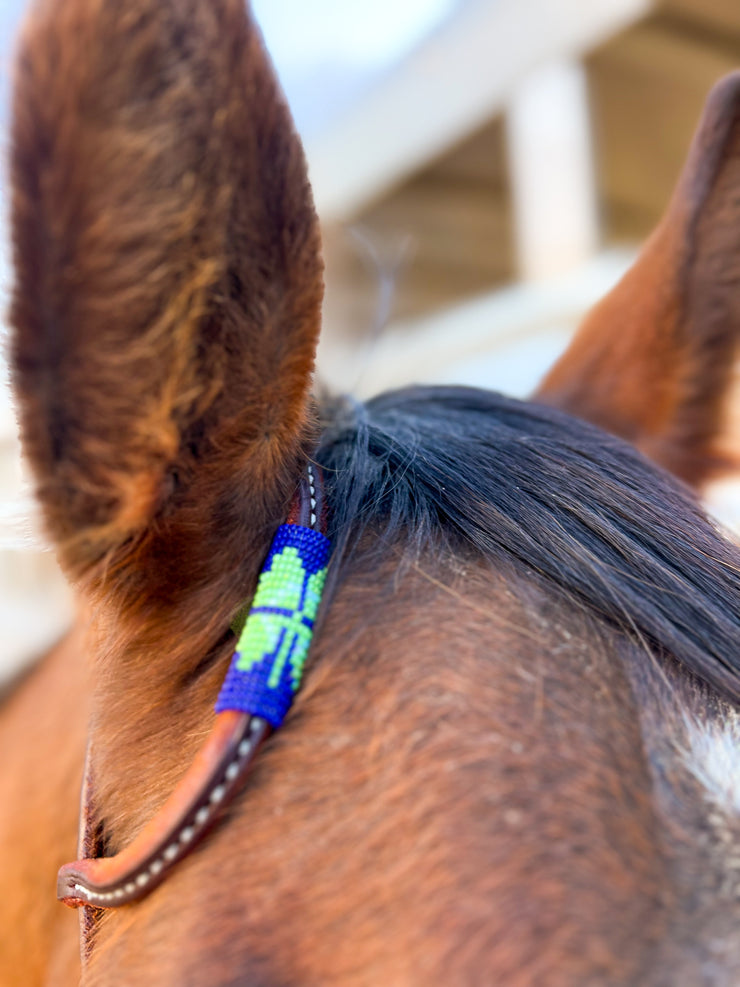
[130,888]
[142,879]
[201,815]
[155,867]
[187,834]
[244,748]
[172,851]
[232,771]
[218,793]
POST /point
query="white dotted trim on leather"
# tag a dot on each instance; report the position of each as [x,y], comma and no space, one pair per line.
[312,488]
[188,832]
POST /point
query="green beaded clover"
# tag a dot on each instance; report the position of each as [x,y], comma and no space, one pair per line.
[284,587]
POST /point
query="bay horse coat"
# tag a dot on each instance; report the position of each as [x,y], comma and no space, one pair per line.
[515,756]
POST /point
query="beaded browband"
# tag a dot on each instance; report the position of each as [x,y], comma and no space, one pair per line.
[263,677]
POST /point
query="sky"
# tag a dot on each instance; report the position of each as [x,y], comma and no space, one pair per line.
[327,51]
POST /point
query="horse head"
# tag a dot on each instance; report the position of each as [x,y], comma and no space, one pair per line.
[502,764]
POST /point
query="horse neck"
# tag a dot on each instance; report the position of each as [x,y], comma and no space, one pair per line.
[440,697]
[462,720]
[577,735]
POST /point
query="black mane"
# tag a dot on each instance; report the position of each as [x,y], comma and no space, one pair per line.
[453,467]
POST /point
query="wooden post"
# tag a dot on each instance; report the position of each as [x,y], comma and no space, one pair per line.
[552,171]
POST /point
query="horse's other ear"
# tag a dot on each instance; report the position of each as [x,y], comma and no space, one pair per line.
[168,275]
[654,361]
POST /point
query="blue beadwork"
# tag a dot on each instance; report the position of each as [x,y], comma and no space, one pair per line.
[267,666]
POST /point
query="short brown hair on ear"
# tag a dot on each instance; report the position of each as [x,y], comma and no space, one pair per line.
[653,362]
[169,282]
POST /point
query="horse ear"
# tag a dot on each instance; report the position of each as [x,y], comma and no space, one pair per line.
[653,362]
[168,276]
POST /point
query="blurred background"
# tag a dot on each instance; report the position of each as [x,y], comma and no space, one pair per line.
[484,170]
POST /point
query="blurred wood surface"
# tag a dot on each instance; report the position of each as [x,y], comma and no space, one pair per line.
[459,224]
[450,87]
[648,87]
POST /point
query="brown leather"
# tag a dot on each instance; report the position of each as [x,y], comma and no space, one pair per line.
[213,779]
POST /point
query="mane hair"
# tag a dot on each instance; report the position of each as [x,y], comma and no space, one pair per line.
[438,469]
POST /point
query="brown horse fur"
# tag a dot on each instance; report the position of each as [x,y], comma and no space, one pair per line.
[425,816]
[654,362]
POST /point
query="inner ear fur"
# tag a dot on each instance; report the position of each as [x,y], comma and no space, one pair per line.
[654,361]
[168,276]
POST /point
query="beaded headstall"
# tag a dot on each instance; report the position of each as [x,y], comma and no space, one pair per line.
[264,675]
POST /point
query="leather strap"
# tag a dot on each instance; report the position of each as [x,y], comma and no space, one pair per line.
[216,775]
